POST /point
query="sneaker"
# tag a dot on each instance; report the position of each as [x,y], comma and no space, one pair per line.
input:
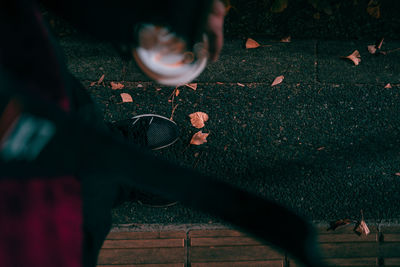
[148,130]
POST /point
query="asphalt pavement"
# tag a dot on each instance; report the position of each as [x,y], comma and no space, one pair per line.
[324,142]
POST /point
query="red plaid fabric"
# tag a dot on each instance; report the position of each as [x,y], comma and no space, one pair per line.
[41,222]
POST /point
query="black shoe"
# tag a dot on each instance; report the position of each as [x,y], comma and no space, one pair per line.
[148,130]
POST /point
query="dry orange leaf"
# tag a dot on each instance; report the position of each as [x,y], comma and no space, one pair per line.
[278,80]
[126,97]
[192,85]
[373,9]
[355,57]
[199,138]
[116,86]
[286,39]
[99,81]
[372,49]
[198,118]
[388,86]
[177,92]
[241,84]
[397,174]
[251,43]
[362,228]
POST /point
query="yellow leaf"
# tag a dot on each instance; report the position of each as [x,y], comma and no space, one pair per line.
[116,86]
[199,138]
[388,86]
[373,9]
[251,43]
[355,57]
[279,5]
[278,80]
[126,97]
[192,85]
[198,118]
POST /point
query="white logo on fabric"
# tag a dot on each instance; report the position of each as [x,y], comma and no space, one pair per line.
[27,139]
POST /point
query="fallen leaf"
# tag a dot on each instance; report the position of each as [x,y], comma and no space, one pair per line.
[241,84]
[355,57]
[372,49]
[116,86]
[101,79]
[177,92]
[198,118]
[279,5]
[139,85]
[278,80]
[397,174]
[388,86]
[251,43]
[219,83]
[199,138]
[92,83]
[321,148]
[126,97]
[286,39]
[338,223]
[362,228]
[192,85]
[373,9]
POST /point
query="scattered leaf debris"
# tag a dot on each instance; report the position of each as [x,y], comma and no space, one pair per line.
[126,97]
[355,57]
[198,118]
[116,86]
[199,138]
[278,80]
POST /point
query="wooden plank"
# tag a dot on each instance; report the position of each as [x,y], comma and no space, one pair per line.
[271,263]
[391,261]
[346,229]
[349,250]
[144,243]
[141,256]
[346,238]
[390,229]
[146,235]
[342,262]
[389,249]
[146,265]
[391,237]
[237,253]
[215,233]
[223,241]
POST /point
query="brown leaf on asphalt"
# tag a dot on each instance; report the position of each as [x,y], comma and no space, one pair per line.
[192,86]
[92,83]
[372,49]
[278,80]
[355,57]
[126,97]
[388,86]
[199,138]
[279,5]
[177,92]
[287,39]
[240,84]
[397,174]
[251,43]
[362,228]
[373,9]
[116,86]
[198,118]
[338,223]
